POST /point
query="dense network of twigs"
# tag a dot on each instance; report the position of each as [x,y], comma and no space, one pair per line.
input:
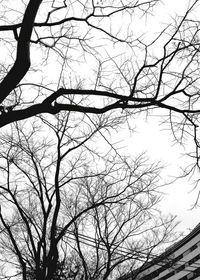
[69,71]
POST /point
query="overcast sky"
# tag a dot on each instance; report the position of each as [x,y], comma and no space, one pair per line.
[158,143]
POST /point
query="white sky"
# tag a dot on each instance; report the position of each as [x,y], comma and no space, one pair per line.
[179,197]
[159,144]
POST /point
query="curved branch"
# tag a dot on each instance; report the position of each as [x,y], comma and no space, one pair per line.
[22,62]
[50,106]
[34,110]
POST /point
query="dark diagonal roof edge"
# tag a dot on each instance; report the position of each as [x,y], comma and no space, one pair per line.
[166,253]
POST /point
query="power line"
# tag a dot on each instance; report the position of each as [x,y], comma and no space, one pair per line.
[90,241]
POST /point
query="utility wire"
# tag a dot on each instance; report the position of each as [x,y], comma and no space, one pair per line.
[90,241]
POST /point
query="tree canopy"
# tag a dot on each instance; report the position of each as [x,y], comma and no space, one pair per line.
[70,211]
[127,72]
[72,71]
[78,56]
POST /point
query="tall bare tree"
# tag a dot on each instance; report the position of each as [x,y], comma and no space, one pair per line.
[71,211]
[76,60]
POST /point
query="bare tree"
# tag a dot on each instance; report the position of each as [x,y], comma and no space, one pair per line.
[49,35]
[69,211]
[53,50]
[64,58]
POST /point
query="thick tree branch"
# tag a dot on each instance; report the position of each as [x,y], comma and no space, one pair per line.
[49,105]
[22,62]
